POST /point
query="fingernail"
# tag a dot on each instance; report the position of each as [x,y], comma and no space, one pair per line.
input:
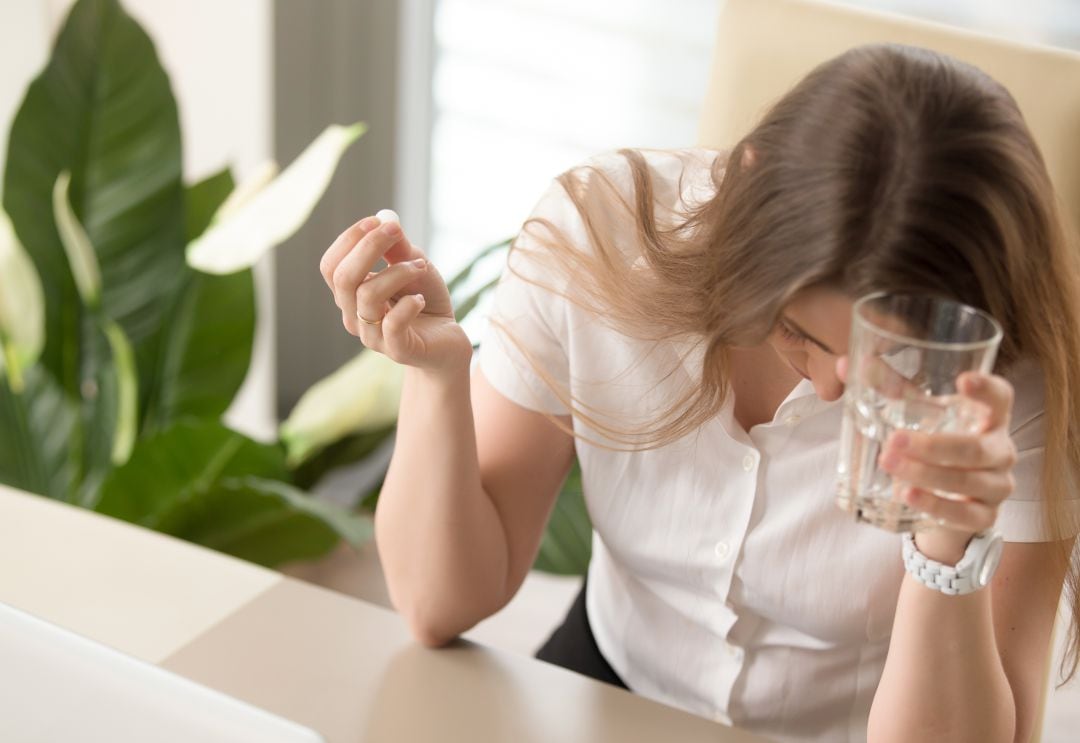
[368,224]
[888,461]
[911,495]
[974,382]
[419,263]
[900,441]
[420,299]
[392,229]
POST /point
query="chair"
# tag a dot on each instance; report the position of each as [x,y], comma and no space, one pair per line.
[765,46]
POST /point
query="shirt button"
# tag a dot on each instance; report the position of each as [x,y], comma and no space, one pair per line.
[748,462]
[791,420]
[721,550]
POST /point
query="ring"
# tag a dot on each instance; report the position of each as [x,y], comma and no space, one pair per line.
[364,320]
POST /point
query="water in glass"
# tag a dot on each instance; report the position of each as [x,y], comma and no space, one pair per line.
[864,488]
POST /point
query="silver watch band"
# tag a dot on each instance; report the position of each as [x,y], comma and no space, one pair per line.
[933,574]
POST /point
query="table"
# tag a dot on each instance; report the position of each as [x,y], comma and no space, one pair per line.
[336,664]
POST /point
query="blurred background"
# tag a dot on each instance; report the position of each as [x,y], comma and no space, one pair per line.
[474,105]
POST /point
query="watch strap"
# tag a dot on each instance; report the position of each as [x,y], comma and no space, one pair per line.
[935,575]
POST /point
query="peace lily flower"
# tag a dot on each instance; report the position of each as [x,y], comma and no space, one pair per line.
[360,397]
[80,252]
[250,224]
[22,307]
[87,273]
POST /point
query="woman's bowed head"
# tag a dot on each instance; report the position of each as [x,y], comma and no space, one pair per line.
[887,169]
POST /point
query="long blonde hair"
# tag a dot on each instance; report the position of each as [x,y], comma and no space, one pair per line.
[888,168]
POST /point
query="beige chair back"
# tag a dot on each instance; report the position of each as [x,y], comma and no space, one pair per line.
[765,46]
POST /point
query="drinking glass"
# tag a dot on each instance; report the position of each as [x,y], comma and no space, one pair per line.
[905,353]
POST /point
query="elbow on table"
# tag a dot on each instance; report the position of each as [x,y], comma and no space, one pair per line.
[427,620]
[428,633]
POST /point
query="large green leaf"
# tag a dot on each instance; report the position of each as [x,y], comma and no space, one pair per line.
[203,482]
[103,110]
[567,543]
[209,331]
[36,427]
[204,199]
[187,457]
[264,521]
[206,349]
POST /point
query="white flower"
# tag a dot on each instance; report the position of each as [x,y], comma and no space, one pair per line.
[22,306]
[248,226]
[360,397]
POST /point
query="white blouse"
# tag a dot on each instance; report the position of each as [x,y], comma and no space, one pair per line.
[724,580]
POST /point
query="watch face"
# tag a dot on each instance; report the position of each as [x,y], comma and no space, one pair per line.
[990,562]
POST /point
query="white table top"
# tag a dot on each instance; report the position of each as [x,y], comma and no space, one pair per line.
[119,584]
[341,666]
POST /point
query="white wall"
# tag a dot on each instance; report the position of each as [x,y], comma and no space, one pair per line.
[218,55]
[23,51]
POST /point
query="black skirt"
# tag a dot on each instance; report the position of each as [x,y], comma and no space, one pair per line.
[573,646]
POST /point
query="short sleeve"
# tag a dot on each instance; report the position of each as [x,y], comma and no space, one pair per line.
[525,340]
[1020,518]
[533,347]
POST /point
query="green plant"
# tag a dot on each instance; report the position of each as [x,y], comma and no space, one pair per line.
[127,316]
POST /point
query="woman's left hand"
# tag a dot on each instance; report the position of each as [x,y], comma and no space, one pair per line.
[975,469]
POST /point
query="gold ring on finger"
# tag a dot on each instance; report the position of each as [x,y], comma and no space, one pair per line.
[364,320]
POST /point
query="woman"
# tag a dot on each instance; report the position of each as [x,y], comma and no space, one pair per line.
[679,321]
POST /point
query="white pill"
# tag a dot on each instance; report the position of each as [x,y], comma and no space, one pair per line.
[387,215]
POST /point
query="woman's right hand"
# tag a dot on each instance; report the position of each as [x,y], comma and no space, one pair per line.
[403,311]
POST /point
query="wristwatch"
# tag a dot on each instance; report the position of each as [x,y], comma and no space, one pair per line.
[972,572]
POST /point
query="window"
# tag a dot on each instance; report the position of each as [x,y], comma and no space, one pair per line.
[1052,22]
[524,89]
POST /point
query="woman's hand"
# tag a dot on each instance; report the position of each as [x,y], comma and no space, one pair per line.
[974,468]
[403,311]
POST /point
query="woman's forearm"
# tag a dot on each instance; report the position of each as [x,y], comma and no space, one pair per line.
[441,542]
[943,679]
